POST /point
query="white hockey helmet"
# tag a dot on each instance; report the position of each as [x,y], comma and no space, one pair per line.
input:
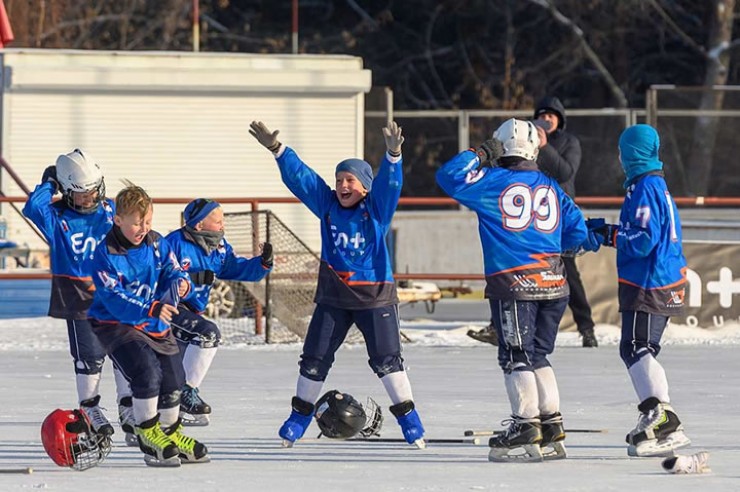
[78,172]
[519,138]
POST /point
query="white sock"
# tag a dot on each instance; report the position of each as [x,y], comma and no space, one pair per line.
[123,388]
[168,416]
[196,362]
[144,409]
[521,387]
[649,379]
[547,391]
[398,387]
[88,386]
[308,389]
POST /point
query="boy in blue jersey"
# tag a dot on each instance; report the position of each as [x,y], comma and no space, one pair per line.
[525,221]
[355,283]
[205,255]
[73,226]
[652,282]
[138,284]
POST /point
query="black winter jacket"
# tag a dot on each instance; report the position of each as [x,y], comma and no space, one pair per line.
[561,157]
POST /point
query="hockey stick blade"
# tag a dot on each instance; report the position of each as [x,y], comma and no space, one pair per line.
[469,440]
[470,433]
[26,470]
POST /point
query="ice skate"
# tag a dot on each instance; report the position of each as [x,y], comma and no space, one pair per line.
[98,420]
[519,442]
[191,451]
[297,423]
[193,410]
[408,418]
[126,419]
[159,450]
[485,335]
[658,431]
[687,464]
[553,435]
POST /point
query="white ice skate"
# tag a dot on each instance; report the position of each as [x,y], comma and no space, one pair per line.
[687,464]
[658,432]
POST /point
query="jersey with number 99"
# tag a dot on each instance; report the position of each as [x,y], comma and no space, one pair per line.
[525,221]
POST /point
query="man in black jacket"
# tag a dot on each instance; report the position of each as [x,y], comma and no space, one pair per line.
[559,157]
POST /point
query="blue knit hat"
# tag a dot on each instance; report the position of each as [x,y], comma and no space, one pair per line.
[638,150]
[359,169]
[198,209]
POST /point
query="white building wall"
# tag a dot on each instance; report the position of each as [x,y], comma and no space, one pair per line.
[177,124]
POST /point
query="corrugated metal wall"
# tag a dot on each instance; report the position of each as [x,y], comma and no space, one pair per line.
[176,139]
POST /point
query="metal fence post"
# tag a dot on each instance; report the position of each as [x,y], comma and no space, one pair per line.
[268,289]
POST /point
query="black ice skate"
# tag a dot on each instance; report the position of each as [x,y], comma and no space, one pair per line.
[193,410]
[485,335]
[553,435]
[658,431]
[519,442]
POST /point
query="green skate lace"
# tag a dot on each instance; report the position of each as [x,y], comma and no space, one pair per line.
[154,437]
[183,442]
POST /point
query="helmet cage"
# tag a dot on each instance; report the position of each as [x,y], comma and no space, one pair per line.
[373,420]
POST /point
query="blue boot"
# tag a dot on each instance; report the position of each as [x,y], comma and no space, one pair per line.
[297,423]
[410,423]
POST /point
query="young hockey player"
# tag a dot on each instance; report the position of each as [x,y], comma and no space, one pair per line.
[138,285]
[355,284]
[203,252]
[74,226]
[652,281]
[525,221]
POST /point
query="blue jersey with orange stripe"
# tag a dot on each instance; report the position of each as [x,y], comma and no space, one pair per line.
[131,281]
[525,221]
[72,238]
[355,270]
[650,261]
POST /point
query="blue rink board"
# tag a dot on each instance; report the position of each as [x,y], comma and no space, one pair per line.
[24,298]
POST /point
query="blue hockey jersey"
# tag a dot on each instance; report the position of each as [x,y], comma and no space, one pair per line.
[72,238]
[355,270]
[130,282]
[525,221]
[650,261]
[221,261]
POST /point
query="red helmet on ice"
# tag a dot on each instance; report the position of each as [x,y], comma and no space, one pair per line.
[70,441]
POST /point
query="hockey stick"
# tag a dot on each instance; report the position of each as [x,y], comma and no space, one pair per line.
[24,471]
[469,433]
[470,440]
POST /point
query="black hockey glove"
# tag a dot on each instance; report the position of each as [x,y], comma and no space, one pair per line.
[205,277]
[489,152]
[50,174]
[267,255]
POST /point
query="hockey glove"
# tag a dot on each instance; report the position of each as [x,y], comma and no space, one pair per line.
[263,135]
[267,255]
[489,152]
[50,174]
[604,233]
[205,277]
[393,138]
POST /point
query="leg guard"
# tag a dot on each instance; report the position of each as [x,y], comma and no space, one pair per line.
[408,418]
[297,423]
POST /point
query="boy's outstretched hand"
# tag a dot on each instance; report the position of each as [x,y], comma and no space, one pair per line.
[263,135]
[393,138]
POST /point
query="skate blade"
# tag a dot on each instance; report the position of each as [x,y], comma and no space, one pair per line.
[554,451]
[420,443]
[287,443]
[186,460]
[654,447]
[189,420]
[173,462]
[528,453]
[131,440]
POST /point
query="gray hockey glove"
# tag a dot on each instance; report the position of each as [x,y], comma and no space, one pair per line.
[393,138]
[489,152]
[267,258]
[50,174]
[263,135]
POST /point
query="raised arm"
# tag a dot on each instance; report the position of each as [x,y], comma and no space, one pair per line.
[387,184]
